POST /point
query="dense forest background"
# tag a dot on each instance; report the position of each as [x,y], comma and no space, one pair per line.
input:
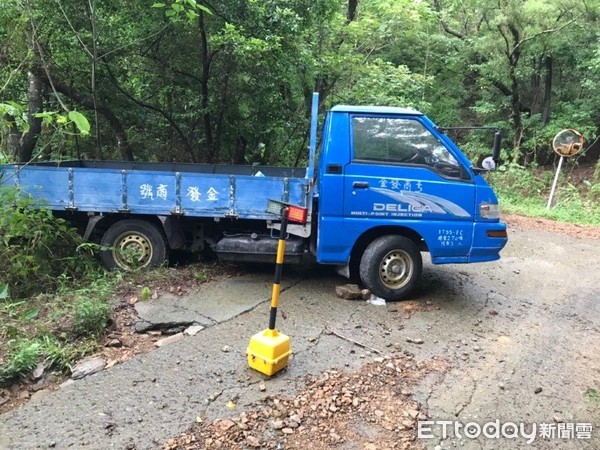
[231,80]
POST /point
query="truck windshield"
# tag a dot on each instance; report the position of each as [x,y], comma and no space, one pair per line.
[401,141]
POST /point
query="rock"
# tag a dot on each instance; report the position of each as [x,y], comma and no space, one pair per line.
[111,363]
[370,446]
[114,343]
[477,349]
[126,341]
[38,371]
[408,424]
[558,419]
[414,341]
[379,413]
[365,294]
[349,292]
[39,394]
[252,441]
[133,300]
[88,367]
[501,386]
[23,395]
[413,413]
[223,425]
[538,390]
[379,359]
[262,387]
[225,349]
[193,330]
[278,424]
[169,340]
[41,384]
[287,431]
[67,383]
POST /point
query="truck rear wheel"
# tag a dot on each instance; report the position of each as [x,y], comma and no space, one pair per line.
[133,244]
[391,266]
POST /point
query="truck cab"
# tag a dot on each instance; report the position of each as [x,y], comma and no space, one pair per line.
[391,185]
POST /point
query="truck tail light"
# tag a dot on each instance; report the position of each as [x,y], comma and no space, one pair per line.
[489,211]
[294,213]
[497,233]
[297,214]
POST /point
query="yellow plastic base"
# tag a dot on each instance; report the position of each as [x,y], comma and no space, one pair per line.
[268,351]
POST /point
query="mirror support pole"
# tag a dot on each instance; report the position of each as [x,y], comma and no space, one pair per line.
[560,161]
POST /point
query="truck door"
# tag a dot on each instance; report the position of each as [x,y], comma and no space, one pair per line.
[401,174]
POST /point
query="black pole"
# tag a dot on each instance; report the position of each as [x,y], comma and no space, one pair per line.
[278,267]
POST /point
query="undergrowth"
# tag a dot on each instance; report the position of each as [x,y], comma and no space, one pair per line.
[526,192]
[54,296]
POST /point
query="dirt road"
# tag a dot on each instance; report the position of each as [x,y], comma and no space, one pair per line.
[520,337]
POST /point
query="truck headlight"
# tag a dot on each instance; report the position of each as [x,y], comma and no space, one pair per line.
[489,211]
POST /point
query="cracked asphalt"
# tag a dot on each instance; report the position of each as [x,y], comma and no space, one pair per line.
[522,336]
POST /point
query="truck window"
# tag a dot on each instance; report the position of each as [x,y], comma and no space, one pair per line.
[403,141]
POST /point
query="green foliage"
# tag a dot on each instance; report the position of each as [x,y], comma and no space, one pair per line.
[36,248]
[22,359]
[90,317]
[80,122]
[232,82]
[145,293]
[178,9]
[593,396]
[56,329]
[526,192]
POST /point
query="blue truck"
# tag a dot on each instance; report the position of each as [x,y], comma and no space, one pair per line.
[388,185]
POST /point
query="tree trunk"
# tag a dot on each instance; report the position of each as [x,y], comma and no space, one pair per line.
[547,91]
[204,91]
[535,85]
[240,151]
[35,91]
[351,12]
[516,107]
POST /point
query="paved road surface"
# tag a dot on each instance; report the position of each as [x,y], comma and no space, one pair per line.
[508,328]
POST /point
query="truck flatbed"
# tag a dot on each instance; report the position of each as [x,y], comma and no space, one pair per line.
[194,190]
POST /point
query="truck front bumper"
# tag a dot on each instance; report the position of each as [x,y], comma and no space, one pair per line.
[488,240]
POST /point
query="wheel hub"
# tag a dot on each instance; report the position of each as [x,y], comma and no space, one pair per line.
[396,269]
[133,251]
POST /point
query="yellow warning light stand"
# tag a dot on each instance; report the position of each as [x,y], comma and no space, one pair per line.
[269,350]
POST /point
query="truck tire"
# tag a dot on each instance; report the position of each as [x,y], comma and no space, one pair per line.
[391,266]
[133,244]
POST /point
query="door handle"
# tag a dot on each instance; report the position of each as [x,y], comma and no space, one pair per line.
[334,169]
[360,185]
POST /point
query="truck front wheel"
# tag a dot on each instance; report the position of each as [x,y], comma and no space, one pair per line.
[133,244]
[391,266]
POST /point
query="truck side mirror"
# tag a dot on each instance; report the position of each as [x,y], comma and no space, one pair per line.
[489,164]
[497,144]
